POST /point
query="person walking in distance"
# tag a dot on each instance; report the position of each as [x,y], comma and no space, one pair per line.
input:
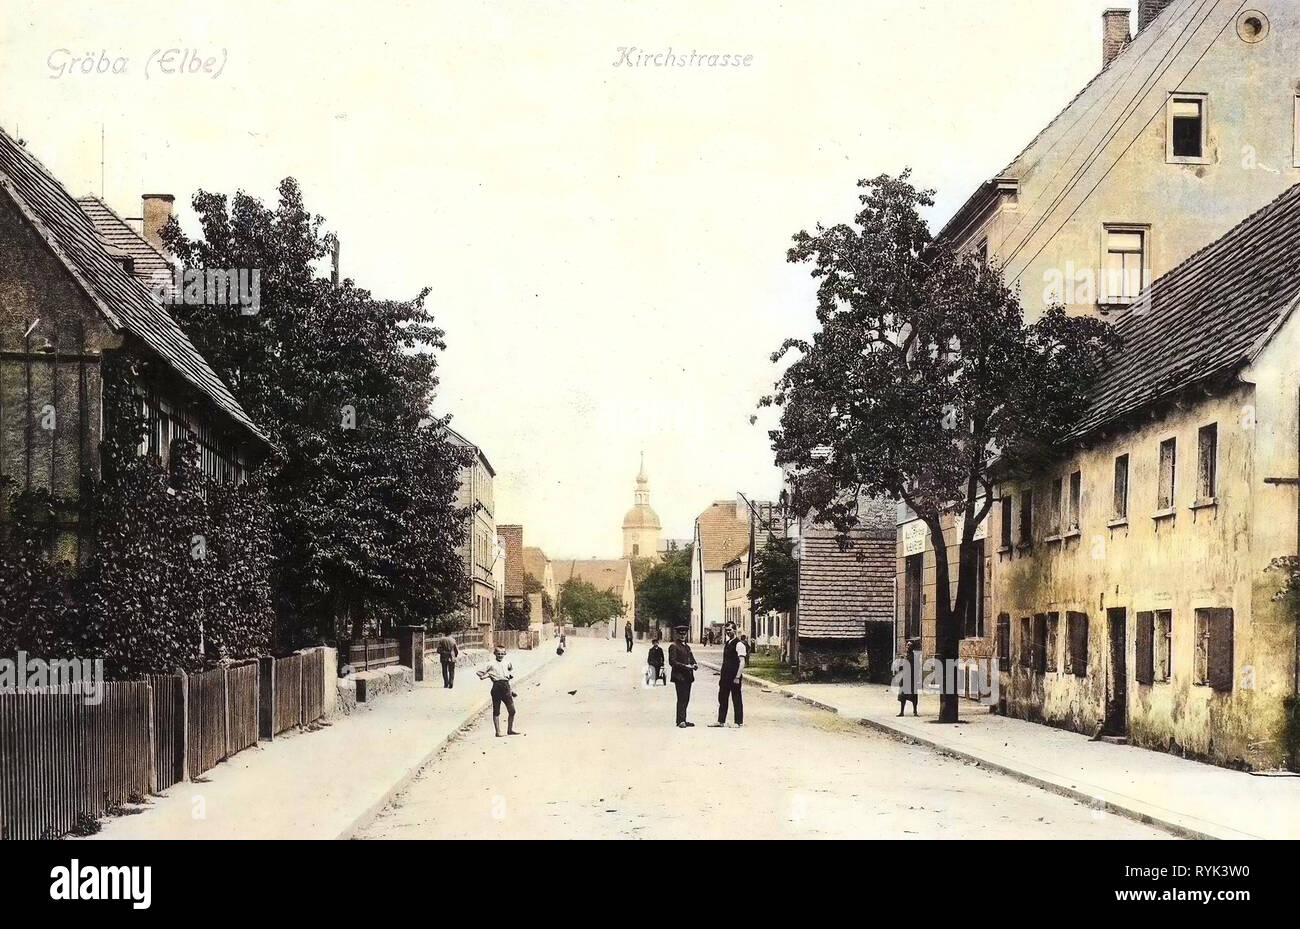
[627,634]
[682,661]
[448,652]
[734,656]
[654,668]
[501,673]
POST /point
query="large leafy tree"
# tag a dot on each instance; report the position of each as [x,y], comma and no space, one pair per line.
[664,592]
[775,583]
[923,382]
[362,487]
[583,605]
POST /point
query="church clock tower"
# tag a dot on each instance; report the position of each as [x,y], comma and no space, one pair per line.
[641,524]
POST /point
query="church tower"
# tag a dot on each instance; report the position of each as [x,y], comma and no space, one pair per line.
[641,524]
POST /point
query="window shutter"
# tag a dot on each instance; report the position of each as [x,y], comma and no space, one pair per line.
[1040,642]
[1220,674]
[1004,642]
[1146,657]
[1078,623]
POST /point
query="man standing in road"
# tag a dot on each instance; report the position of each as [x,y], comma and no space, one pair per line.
[627,634]
[501,673]
[734,656]
[682,661]
[448,652]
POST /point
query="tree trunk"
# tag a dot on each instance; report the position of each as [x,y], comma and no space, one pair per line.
[946,632]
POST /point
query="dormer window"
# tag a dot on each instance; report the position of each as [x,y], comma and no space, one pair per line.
[1187,129]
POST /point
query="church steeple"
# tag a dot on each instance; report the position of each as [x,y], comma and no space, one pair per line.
[641,524]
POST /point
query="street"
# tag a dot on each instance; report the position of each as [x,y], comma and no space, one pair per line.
[607,762]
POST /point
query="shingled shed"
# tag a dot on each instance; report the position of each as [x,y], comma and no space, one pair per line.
[846,596]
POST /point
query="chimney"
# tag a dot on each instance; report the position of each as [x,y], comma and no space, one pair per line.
[157,210]
[1148,10]
[1114,34]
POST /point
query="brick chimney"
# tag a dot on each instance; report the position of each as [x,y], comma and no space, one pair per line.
[157,210]
[1148,10]
[1114,34]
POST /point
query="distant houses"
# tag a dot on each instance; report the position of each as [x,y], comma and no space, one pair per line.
[721,535]
[479,550]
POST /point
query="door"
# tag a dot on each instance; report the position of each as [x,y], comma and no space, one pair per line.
[1117,676]
[912,596]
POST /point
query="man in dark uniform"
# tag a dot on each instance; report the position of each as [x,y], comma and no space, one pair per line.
[734,656]
[682,661]
[627,634]
[448,651]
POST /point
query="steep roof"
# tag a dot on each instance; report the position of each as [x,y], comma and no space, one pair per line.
[722,535]
[1207,317]
[120,297]
[839,593]
[146,260]
[599,573]
[1076,148]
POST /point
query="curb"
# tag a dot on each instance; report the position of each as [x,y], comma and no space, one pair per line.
[414,771]
[1073,793]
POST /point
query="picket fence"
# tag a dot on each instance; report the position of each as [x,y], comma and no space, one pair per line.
[64,761]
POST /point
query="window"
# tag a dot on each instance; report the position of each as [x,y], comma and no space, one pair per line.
[1077,644]
[1027,519]
[1006,522]
[1124,264]
[1054,516]
[912,596]
[1004,642]
[1049,650]
[1145,670]
[1026,642]
[1214,648]
[1163,636]
[1168,456]
[1040,643]
[1072,511]
[1120,510]
[1295,158]
[974,624]
[1207,456]
[1186,128]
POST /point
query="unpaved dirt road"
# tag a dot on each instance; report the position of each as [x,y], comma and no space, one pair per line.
[607,762]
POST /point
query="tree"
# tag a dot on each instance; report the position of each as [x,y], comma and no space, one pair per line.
[923,382]
[583,605]
[361,493]
[774,586]
[664,593]
[517,615]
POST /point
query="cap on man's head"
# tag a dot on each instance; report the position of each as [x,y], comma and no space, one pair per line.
[679,629]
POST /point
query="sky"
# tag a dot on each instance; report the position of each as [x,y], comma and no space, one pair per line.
[604,242]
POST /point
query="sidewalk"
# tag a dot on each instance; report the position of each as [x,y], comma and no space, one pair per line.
[328,783]
[1187,797]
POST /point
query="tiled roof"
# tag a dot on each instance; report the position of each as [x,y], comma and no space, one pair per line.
[601,574]
[722,535]
[1205,318]
[840,593]
[146,260]
[123,300]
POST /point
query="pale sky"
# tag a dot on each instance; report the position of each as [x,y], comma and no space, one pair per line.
[605,245]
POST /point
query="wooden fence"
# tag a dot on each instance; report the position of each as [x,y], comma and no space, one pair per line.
[471,638]
[313,685]
[169,729]
[242,703]
[516,638]
[369,654]
[61,757]
[288,693]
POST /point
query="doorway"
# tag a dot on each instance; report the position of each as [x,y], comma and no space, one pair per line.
[1117,673]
